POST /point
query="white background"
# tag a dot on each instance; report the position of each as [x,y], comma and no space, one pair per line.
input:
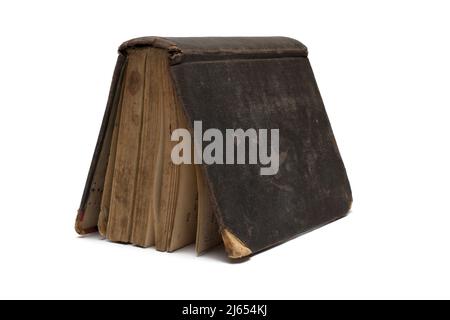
[384,72]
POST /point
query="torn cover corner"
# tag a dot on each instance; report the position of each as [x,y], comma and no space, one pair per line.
[234,247]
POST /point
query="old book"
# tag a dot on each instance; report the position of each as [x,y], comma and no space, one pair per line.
[259,162]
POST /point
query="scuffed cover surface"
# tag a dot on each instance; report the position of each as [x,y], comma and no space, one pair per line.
[109,112]
[311,187]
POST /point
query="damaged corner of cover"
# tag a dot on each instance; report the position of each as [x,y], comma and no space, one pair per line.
[79,228]
[234,247]
[78,222]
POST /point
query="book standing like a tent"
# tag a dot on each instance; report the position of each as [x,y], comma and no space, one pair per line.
[136,194]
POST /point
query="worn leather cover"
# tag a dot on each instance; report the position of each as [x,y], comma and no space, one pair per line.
[82,226]
[261,83]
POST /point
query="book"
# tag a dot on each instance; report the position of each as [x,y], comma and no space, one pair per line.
[213,140]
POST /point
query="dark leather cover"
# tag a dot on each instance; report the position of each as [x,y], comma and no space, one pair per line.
[108,120]
[261,83]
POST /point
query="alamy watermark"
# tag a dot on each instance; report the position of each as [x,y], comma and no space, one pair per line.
[236,141]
